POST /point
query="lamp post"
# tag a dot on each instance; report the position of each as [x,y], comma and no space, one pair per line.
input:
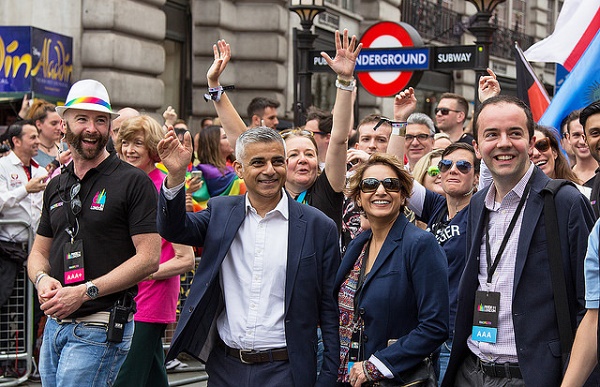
[483,32]
[304,41]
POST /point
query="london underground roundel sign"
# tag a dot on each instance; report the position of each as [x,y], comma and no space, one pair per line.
[386,36]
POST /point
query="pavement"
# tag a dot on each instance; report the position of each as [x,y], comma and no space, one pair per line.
[192,375]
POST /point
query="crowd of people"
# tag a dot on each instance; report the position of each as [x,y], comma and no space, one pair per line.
[409,251]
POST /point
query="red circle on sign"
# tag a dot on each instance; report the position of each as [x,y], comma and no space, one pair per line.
[399,32]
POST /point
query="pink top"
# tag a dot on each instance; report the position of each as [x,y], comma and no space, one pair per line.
[157,299]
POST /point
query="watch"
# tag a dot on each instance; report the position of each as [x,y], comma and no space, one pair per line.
[91,290]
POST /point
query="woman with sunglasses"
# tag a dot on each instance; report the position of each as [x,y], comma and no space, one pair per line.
[392,284]
[546,155]
[304,183]
[158,294]
[446,217]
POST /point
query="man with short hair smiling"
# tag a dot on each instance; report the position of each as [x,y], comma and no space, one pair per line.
[96,240]
[585,165]
[256,301]
[418,140]
[450,115]
[22,182]
[506,330]
[263,112]
[585,347]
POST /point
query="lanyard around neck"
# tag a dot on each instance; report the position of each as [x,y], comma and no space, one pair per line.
[491,267]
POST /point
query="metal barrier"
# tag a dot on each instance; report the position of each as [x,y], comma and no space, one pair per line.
[16,325]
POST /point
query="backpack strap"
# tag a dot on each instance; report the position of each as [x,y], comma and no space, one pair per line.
[559,286]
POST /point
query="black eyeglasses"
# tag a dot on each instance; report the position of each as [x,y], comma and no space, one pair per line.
[542,145]
[371,184]
[420,137]
[463,166]
[445,111]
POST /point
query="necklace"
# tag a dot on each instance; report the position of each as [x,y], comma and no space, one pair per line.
[48,148]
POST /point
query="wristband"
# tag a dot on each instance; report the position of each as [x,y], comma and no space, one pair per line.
[214,93]
[344,84]
[39,276]
[398,128]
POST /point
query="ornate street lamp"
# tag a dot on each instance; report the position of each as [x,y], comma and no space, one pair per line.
[304,40]
[483,32]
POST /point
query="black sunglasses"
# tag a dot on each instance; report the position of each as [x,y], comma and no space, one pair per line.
[463,166]
[445,111]
[371,184]
[542,145]
[75,201]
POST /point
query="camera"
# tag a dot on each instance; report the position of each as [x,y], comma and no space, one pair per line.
[4,148]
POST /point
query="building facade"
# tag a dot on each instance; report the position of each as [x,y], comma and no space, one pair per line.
[154,53]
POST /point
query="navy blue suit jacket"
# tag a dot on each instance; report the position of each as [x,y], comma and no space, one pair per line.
[404,297]
[533,311]
[313,259]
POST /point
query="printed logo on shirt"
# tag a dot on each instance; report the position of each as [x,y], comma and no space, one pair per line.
[99,201]
[14,180]
[56,205]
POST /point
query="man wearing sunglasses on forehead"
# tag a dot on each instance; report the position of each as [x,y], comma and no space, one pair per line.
[506,330]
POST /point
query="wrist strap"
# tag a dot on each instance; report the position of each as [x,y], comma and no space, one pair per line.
[399,128]
[214,93]
[39,277]
[344,84]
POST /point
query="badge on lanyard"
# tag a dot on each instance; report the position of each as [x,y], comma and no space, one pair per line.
[73,262]
[485,318]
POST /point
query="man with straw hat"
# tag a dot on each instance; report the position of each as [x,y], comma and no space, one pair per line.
[96,240]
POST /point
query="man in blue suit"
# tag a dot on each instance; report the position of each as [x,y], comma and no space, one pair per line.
[265,280]
[506,331]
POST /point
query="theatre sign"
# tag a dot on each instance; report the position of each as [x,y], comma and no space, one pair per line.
[35,60]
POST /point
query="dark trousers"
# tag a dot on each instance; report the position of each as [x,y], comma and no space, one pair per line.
[470,375]
[224,370]
[145,362]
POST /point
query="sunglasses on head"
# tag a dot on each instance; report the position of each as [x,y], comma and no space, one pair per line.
[542,145]
[382,120]
[296,132]
[445,111]
[371,184]
[463,166]
[433,171]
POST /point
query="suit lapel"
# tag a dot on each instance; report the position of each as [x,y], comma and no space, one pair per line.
[391,243]
[237,214]
[296,237]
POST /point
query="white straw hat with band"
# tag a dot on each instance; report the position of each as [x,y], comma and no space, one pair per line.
[88,94]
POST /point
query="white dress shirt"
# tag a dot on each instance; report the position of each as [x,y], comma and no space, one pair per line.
[15,202]
[253,277]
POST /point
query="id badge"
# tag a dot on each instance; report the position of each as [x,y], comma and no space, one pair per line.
[485,317]
[73,262]
[354,351]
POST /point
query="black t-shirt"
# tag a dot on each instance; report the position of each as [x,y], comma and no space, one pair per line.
[466,138]
[322,196]
[118,201]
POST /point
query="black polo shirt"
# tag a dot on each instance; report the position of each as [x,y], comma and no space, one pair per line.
[118,201]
